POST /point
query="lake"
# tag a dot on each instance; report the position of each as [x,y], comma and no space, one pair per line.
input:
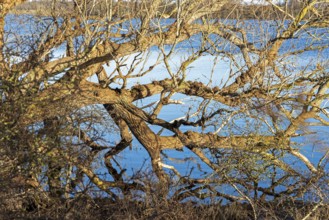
[215,71]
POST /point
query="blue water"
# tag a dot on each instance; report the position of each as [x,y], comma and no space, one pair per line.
[136,159]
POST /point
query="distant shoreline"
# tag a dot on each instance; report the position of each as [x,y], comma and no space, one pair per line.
[228,11]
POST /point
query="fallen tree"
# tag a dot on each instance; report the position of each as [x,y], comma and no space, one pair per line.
[247,128]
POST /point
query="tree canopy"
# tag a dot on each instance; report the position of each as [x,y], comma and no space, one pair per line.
[73,79]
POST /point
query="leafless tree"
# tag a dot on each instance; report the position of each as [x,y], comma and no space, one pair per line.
[247,124]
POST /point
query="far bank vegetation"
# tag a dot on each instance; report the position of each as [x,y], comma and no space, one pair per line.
[230,10]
